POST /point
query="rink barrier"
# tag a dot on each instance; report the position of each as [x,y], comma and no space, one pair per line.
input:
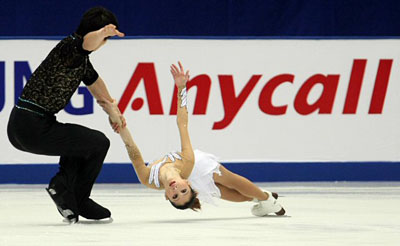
[255,171]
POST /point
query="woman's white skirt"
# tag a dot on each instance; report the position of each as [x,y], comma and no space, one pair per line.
[201,178]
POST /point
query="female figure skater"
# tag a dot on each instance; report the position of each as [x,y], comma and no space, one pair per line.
[188,176]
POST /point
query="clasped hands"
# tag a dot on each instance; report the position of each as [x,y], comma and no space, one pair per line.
[116,119]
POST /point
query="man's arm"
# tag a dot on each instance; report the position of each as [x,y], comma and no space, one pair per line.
[100,92]
[93,40]
[181,79]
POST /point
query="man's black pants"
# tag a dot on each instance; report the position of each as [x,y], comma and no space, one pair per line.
[81,150]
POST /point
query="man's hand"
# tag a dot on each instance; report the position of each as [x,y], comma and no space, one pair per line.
[116,119]
[111,30]
[114,125]
[179,75]
[94,40]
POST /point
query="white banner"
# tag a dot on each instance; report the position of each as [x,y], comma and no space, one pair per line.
[249,100]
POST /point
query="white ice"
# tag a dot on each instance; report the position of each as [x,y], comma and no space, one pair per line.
[365,213]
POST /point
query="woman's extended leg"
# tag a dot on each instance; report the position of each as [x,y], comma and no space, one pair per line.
[240,184]
[232,195]
[231,183]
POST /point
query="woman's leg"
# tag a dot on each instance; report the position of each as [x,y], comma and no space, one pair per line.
[232,195]
[240,184]
[229,183]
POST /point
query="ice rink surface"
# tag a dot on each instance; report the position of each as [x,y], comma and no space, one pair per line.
[365,213]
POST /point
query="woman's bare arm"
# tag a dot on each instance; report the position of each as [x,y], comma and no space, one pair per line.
[142,171]
[181,79]
[138,163]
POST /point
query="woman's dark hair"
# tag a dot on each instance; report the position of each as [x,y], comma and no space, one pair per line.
[193,202]
[95,19]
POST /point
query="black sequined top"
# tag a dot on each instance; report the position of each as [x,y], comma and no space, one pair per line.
[56,79]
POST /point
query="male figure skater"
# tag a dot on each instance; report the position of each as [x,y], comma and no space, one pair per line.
[33,127]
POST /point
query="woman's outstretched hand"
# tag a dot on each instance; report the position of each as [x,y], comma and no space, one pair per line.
[179,75]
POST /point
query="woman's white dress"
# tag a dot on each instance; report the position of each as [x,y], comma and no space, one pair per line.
[201,179]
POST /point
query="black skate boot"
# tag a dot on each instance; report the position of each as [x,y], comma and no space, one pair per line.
[89,209]
[64,199]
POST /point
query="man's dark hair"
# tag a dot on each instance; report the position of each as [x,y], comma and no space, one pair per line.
[95,19]
[193,202]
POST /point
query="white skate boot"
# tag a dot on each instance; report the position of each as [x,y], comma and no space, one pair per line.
[263,208]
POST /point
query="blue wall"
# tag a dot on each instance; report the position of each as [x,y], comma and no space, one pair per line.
[369,18]
[257,172]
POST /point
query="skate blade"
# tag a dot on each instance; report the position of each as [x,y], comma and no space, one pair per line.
[90,222]
[70,221]
[275,216]
[66,213]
